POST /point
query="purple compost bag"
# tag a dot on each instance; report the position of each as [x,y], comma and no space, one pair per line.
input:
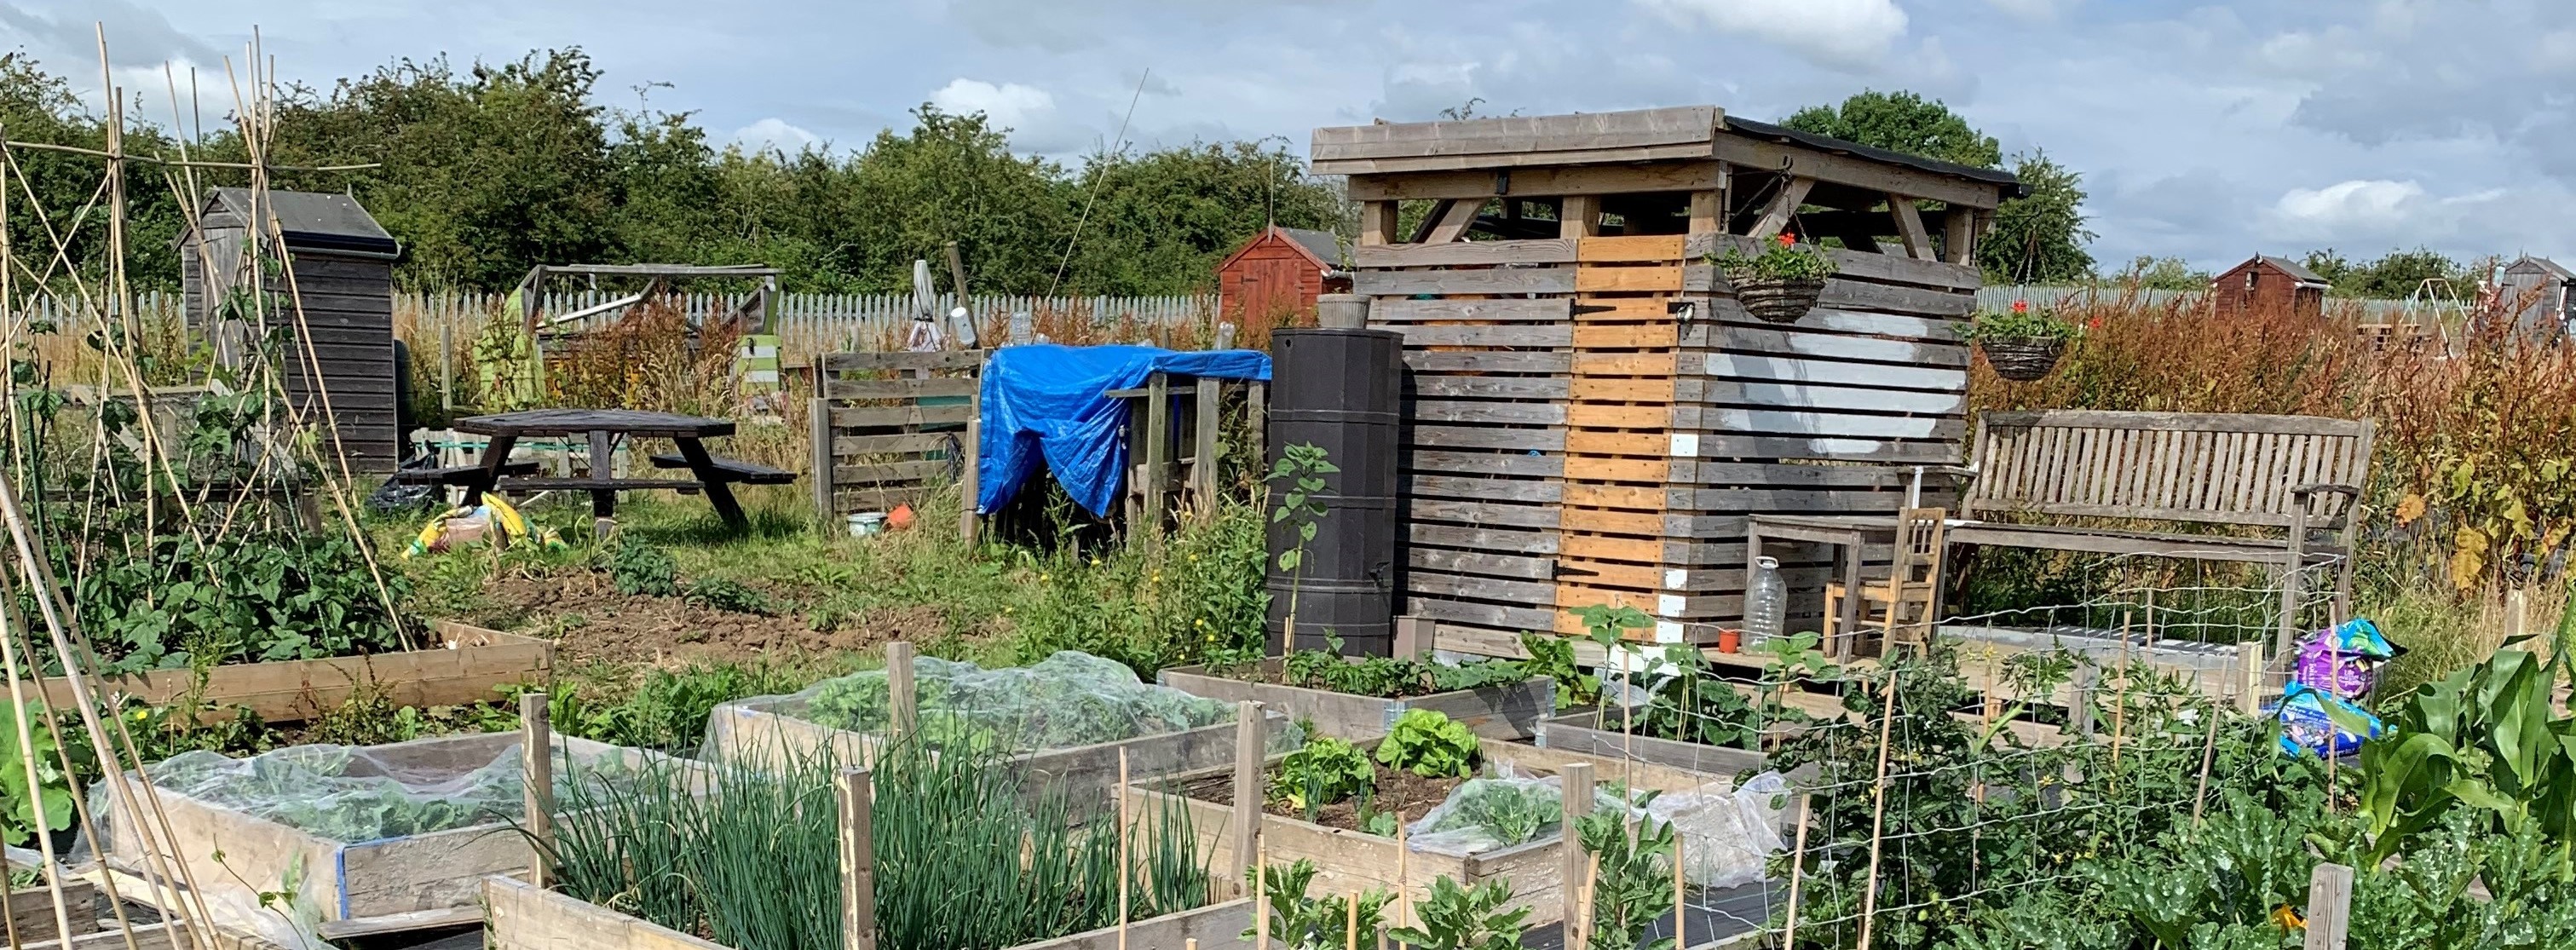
[2344,660]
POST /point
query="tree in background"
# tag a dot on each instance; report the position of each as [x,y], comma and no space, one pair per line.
[2395,275]
[2036,240]
[2165,273]
[1166,218]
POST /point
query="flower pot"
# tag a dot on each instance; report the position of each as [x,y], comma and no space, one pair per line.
[2023,359]
[1778,299]
[1729,640]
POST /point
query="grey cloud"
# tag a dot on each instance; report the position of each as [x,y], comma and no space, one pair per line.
[136,36]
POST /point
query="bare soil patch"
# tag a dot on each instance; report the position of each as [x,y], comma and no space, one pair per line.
[630,628]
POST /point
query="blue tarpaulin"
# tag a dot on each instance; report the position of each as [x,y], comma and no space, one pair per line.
[1052,401]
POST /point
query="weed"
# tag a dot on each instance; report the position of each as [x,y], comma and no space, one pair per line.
[635,567]
[718,593]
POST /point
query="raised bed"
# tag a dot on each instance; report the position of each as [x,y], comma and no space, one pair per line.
[393,883]
[755,731]
[1347,861]
[1596,732]
[459,664]
[1494,712]
[522,917]
[31,910]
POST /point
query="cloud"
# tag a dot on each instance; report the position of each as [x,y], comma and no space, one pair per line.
[1844,34]
[2377,208]
[1009,105]
[775,133]
[2031,9]
[137,39]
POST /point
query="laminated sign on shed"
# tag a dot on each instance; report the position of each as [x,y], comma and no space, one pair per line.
[1590,413]
[336,293]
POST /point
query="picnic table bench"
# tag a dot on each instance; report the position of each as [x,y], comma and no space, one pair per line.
[603,427]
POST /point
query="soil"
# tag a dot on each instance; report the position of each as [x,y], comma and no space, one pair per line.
[633,628]
[1279,677]
[1408,795]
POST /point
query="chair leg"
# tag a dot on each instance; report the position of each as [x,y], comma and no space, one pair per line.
[1833,619]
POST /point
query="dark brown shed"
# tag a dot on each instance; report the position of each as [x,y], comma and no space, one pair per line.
[341,283]
[2268,283]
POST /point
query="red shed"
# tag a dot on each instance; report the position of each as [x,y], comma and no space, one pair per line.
[1278,274]
[2267,282]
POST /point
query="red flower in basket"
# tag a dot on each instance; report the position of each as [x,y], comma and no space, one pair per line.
[2021,306]
[1787,239]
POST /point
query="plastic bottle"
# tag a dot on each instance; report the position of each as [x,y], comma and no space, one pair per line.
[1766,602]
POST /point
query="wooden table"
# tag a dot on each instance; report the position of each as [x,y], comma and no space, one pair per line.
[1849,532]
[602,427]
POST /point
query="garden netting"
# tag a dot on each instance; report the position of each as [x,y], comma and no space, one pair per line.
[1728,832]
[352,794]
[1067,700]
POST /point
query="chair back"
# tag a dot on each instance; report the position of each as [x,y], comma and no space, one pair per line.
[1918,544]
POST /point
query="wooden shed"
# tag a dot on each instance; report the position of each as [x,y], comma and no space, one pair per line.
[2267,283]
[1590,415]
[342,285]
[2536,289]
[1279,273]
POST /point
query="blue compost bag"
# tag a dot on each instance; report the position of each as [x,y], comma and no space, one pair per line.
[2308,723]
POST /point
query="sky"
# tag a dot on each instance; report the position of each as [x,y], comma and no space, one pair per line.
[2208,131]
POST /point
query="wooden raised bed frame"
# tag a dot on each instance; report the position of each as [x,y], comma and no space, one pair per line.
[522,917]
[1585,733]
[459,664]
[1494,712]
[1347,861]
[390,883]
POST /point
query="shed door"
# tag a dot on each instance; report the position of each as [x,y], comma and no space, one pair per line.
[1271,289]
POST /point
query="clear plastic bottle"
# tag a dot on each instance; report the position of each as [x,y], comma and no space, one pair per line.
[1766,602]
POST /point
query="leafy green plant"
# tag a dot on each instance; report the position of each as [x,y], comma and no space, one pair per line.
[2021,321]
[1323,771]
[1782,259]
[1696,705]
[726,594]
[1513,812]
[1465,918]
[1301,469]
[638,568]
[1553,657]
[2486,738]
[1299,922]
[1384,677]
[249,596]
[18,820]
[1430,743]
[1632,883]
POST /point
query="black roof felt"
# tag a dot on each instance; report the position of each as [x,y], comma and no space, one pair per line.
[2013,188]
[314,221]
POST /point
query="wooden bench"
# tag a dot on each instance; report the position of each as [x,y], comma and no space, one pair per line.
[459,474]
[2286,489]
[734,471]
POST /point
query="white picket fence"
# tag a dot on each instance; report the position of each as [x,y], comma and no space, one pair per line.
[1998,298]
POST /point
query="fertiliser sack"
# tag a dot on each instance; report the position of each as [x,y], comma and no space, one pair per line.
[2345,659]
[1728,834]
[2308,723]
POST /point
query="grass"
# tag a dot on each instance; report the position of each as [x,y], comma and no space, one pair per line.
[966,856]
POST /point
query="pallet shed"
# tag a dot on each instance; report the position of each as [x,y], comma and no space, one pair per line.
[2264,282]
[341,263]
[1590,416]
[2536,288]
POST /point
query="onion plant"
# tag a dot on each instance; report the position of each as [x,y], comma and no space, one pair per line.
[970,852]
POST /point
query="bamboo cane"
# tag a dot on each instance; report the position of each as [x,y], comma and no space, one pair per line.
[1878,814]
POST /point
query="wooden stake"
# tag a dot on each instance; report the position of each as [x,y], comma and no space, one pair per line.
[1681,898]
[858,860]
[2208,753]
[1261,898]
[1878,814]
[1124,873]
[536,755]
[1403,882]
[1575,782]
[901,714]
[1351,929]
[1248,749]
[2329,906]
[1797,875]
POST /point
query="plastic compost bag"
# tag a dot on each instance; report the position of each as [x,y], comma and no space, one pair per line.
[1066,700]
[2308,723]
[2344,660]
[1728,834]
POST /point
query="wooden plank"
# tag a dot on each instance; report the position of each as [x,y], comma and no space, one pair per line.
[1416,334]
[898,388]
[896,360]
[1596,548]
[1492,615]
[1477,437]
[1513,490]
[1621,364]
[1655,444]
[1482,588]
[1861,349]
[459,664]
[1909,228]
[1792,422]
[1624,336]
[1618,389]
[889,416]
[1615,496]
[1471,362]
[1786,369]
[1863,173]
[1827,447]
[2177,422]
[1482,563]
[1453,223]
[1399,310]
[1647,524]
[1490,413]
[1578,216]
[1359,168]
[1682,175]
[1783,206]
[1628,279]
[1585,733]
[523,917]
[1493,514]
[862,475]
[1836,320]
[1630,249]
[1512,464]
[1798,396]
[1493,387]
[1377,223]
[31,910]
[1595,468]
[849,445]
[1530,280]
[1854,265]
[1421,534]
[1464,253]
[1624,310]
[1678,125]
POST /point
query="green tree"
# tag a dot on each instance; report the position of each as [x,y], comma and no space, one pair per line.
[1164,219]
[2165,273]
[953,178]
[2039,239]
[2395,275]
[1902,122]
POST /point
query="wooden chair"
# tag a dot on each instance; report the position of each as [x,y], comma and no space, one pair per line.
[1905,603]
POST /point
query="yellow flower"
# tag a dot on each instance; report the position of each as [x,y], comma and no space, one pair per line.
[1042,578]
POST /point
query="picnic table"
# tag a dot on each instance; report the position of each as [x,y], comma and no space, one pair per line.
[709,473]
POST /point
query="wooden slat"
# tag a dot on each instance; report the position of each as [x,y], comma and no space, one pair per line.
[1625,310]
[1529,280]
[898,388]
[1416,334]
[1492,387]
[1618,469]
[885,416]
[1481,563]
[1828,347]
[1755,366]
[1615,496]
[1622,364]
[891,444]
[1644,524]
[1405,310]
[1628,279]
[881,361]
[856,475]
[1610,336]
[1490,514]
[1482,539]
[1529,491]
[1499,413]
[1684,175]
[1469,362]
[1582,132]
[1828,447]
[1855,265]
[1478,437]
[1618,443]
[1620,389]
[1468,253]
[1510,464]
[1627,249]
[2178,422]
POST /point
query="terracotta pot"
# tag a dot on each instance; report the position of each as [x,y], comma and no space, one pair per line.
[900,518]
[1729,640]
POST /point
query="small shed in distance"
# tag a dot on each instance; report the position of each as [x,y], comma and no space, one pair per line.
[2268,283]
[1278,274]
[341,268]
[2536,288]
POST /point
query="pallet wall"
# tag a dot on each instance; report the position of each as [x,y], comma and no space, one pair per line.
[1590,421]
[888,428]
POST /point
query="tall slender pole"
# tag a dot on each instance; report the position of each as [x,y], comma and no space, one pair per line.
[1797,876]
[1125,857]
[1878,813]
[857,791]
[536,753]
[1575,782]
[902,713]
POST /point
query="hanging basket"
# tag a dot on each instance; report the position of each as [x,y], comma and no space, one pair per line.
[2023,359]
[1779,299]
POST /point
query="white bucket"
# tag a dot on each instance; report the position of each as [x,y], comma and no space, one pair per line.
[865,523]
